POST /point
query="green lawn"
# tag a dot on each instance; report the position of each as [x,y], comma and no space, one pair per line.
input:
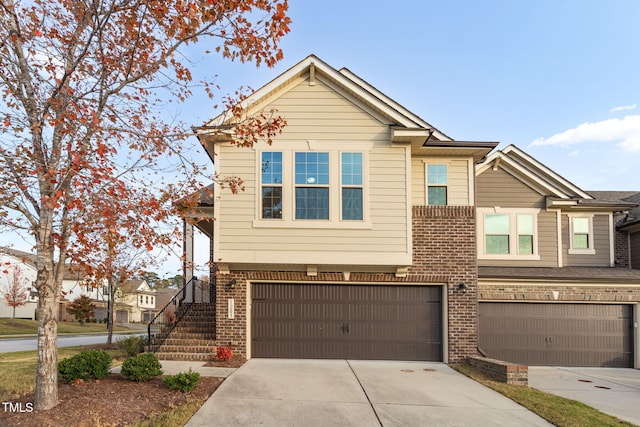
[555,409]
[30,327]
[17,370]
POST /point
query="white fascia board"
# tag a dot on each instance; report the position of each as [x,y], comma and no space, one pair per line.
[536,164]
[399,114]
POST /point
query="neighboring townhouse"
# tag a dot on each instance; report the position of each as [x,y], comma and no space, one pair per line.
[355,236]
[555,287]
[23,264]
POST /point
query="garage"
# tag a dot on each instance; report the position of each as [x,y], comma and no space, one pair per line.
[330,321]
[559,334]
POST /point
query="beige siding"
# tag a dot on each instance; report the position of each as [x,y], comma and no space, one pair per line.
[318,114]
[635,250]
[601,230]
[499,188]
[458,180]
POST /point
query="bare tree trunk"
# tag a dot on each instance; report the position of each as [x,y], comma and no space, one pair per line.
[46,394]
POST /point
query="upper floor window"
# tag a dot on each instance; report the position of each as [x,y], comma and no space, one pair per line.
[315,188]
[271,185]
[312,185]
[437,184]
[352,186]
[581,234]
[507,233]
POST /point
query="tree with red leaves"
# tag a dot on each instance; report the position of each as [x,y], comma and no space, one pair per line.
[85,85]
[16,290]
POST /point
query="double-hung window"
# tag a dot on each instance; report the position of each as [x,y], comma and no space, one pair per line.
[312,185]
[271,178]
[581,234]
[507,233]
[352,186]
[436,184]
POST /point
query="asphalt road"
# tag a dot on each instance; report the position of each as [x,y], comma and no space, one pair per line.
[24,344]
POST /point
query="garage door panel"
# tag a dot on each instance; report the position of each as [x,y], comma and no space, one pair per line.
[347,321]
[557,334]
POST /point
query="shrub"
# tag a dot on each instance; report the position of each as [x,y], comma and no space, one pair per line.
[184,381]
[141,368]
[224,353]
[86,365]
[132,345]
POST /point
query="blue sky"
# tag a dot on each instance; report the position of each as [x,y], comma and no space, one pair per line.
[560,79]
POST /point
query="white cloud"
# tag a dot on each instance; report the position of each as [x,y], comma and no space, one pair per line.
[625,132]
[623,107]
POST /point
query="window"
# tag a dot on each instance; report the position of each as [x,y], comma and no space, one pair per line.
[507,233]
[312,185]
[271,185]
[351,178]
[525,234]
[581,234]
[436,185]
[496,230]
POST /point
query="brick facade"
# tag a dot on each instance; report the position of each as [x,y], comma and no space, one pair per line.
[444,244]
[580,293]
[444,252]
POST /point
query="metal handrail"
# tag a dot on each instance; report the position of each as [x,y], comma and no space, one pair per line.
[193,292]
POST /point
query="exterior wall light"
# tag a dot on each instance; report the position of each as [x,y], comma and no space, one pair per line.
[462,287]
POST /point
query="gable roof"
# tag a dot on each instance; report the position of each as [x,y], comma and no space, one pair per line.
[405,126]
[344,79]
[532,172]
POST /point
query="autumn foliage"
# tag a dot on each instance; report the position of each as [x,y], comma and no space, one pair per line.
[89,159]
[16,289]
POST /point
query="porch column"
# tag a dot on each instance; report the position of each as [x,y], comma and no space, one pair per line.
[188,251]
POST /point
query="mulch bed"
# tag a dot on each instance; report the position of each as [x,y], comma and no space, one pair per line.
[113,401]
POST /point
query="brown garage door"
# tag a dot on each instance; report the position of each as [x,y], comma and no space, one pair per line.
[557,334]
[346,322]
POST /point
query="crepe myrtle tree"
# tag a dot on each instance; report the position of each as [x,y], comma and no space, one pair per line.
[84,84]
[16,288]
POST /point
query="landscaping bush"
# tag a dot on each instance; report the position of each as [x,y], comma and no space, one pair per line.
[184,381]
[141,368]
[224,353]
[132,345]
[86,365]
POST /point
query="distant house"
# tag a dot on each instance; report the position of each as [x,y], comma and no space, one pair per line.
[137,297]
[12,260]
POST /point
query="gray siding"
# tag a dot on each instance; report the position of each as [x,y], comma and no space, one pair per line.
[602,244]
[499,188]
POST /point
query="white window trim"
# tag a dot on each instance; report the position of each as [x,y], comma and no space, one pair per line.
[591,250]
[335,220]
[513,233]
[426,180]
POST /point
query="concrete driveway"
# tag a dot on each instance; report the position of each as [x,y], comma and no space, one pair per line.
[278,392]
[615,391]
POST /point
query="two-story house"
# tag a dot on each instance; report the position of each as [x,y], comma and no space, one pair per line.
[355,234]
[555,287]
[361,228]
